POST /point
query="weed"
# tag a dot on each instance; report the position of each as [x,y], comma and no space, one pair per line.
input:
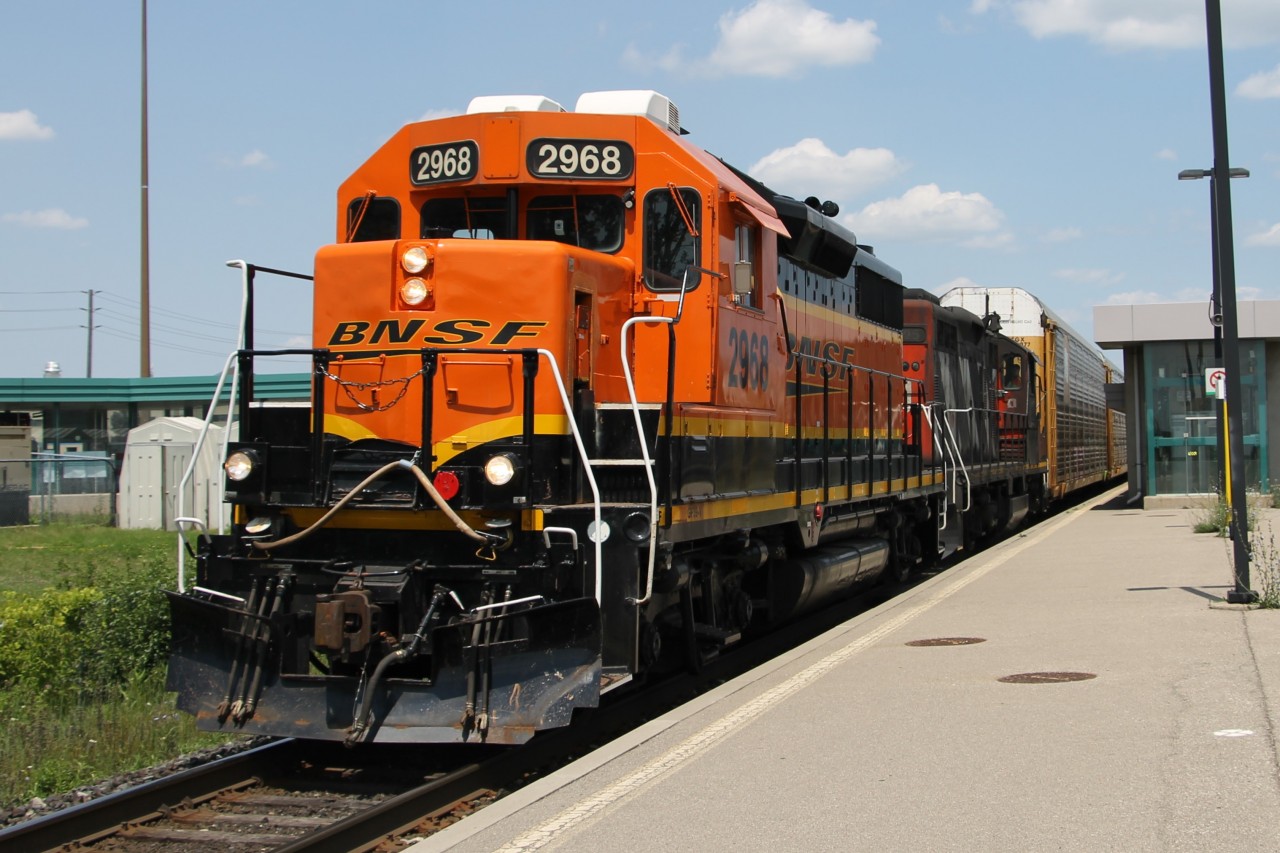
[1265,566]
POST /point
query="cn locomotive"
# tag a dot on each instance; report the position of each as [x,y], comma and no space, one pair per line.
[587,403]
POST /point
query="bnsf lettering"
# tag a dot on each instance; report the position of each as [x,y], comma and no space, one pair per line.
[831,351]
[515,329]
[347,334]
[460,335]
[461,332]
[394,335]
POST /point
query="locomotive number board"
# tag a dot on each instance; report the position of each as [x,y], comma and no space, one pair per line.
[447,161]
[589,159]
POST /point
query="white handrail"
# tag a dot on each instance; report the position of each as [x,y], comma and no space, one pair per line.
[232,364]
[644,447]
[586,464]
[191,466]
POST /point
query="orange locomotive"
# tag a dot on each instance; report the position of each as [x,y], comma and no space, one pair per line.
[587,402]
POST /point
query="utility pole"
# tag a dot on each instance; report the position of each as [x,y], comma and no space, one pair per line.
[144,312]
[88,367]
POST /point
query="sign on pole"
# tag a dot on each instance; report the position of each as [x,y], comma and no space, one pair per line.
[1215,382]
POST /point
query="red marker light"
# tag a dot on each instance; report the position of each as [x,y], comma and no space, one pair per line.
[447,485]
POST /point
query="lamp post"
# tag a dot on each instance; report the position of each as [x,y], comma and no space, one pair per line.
[1224,244]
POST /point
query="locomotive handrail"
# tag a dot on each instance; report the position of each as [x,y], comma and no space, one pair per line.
[942,432]
[191,465]
[670,322]
[244,351]
[586,464]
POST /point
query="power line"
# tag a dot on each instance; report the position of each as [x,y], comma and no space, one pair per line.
[201,320]
[36,292]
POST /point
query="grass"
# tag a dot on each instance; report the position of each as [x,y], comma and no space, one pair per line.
[62,732]
[52,748]
[37,557]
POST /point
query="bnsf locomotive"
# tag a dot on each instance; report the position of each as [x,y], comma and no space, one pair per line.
[587,402]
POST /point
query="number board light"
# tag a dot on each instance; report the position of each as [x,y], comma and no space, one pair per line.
[582,159]
[443,163]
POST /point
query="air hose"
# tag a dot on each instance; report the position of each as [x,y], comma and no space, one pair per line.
[427,485]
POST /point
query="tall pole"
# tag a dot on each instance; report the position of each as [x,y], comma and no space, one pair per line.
[144,319]
[88,359]
[1225,243]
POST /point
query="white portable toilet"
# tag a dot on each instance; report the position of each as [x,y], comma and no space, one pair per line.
[156,456]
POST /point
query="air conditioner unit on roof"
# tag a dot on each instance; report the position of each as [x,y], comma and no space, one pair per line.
[632,102]
[513,104]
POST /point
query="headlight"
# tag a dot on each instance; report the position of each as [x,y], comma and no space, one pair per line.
[415,260]
[258,525]
[240,465]
[414,291]
[499,470]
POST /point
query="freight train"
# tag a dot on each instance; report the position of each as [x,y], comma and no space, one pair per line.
[589,403]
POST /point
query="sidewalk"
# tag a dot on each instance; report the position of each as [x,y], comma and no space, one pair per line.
[857,741]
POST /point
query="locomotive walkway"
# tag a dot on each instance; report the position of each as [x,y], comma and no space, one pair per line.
[859,741]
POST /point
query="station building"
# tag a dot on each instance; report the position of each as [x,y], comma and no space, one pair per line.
[64,437]
[1172,407]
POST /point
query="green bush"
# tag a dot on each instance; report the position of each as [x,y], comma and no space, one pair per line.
[103,628]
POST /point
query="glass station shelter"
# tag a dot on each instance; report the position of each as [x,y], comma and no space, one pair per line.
[1173,394]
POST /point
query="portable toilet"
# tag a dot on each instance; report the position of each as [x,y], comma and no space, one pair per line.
[156,456]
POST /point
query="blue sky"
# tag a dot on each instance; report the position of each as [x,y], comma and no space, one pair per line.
[1030,143]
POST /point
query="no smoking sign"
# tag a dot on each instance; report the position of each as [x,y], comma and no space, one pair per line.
[1215,382]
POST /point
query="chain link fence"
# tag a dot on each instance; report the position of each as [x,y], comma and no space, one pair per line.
[58,486]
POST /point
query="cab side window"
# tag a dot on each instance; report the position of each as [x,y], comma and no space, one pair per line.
[1011,373]
[671,247]
[373,218]
[746,265]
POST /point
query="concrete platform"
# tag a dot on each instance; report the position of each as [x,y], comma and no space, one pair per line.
[859,741]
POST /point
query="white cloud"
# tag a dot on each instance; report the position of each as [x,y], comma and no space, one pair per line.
[771,38]
[255,158]
[1264,84]
[1166,154]
[809,165]
[51,218]
[1001,240]
[1270,237]
[926,212]
[1137,24]
[1090,276]
[23,125]
[778,38]
[1062,235]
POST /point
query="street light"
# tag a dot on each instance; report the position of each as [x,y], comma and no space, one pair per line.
[1196,174]
[1225,282]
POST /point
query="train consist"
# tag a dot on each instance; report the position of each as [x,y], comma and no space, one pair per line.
[588,403]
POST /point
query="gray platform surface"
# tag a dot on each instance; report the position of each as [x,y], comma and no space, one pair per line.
[857,741]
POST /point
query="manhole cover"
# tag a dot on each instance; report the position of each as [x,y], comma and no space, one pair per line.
[1046,677]
[948,641]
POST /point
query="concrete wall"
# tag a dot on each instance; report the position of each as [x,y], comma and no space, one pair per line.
[67,506]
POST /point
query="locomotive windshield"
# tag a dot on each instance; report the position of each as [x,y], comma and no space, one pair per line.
[590,221]
[594,222]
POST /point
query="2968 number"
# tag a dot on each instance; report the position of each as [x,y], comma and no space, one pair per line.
[599,159]
[451,161]
[749,360]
